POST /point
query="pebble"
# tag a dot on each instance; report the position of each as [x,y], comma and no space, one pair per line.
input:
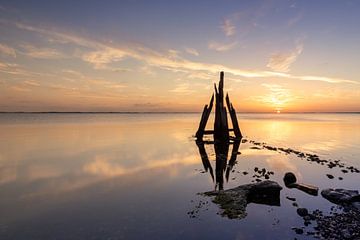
[330,176]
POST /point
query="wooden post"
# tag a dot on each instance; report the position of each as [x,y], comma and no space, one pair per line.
[221,126]
[204,118]
[221,130]
[234,121]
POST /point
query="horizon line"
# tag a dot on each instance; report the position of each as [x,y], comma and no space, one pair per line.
[160,112]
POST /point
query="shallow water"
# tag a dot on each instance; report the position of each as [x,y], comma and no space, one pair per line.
[136,176]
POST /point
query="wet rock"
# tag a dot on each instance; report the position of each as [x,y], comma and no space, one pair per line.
[289,178]
[344,225]
[302,212]
[339,196]
[257,148]
[298,230]
[233,201]
[291,199]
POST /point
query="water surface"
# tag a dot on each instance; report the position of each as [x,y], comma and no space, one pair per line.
[136,176]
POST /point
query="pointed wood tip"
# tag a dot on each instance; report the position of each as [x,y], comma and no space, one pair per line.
[221,74]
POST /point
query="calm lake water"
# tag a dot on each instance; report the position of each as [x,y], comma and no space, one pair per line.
[136,176]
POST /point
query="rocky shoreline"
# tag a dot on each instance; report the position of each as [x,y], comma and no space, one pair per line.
[344,223]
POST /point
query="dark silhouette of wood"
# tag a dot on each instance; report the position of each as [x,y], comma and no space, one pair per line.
[223,166]
[221,152]
[234,120]
[221,125]
[221,131]
[204,118]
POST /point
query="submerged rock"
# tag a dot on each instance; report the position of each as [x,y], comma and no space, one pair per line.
[302,212]
[233,201]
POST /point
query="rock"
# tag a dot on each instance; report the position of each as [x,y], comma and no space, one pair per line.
[330,176]
[302,212]
[290,182]
[257,148]
[289,178]
[340,196]
[233,201]
[291,199]
[298,230]
[309,189]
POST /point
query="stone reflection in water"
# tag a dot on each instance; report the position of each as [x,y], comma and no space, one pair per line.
[222,166]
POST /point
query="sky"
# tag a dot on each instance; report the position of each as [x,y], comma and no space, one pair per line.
[155,56]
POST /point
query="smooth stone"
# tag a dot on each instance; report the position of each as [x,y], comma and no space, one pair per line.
[289,178]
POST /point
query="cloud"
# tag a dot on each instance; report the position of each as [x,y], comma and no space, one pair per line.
[103,54]
[192,51]
[6,50]
[183,88]
[101,58]
[277,97]
[42,53]
[13,69]
[32,83]
[220,47]
[281,62]
[228,27]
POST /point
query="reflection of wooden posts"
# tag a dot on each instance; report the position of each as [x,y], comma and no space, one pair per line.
[221,152]
[205,158]
[222,165]
[232,159]
[221,128]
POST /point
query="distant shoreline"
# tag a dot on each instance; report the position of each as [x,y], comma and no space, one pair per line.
[173,112]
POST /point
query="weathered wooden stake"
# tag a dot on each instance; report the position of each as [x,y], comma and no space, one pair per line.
[221,130]
[234,120]
[221,126]
[204,118]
